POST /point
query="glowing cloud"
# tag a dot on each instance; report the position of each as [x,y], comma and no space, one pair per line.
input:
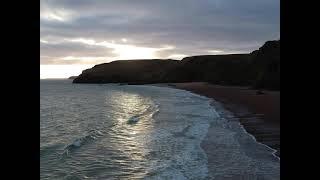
[61,71]
[125,51]
[218,52]
[72,58]
[60,15]
[43,41]
[177,56]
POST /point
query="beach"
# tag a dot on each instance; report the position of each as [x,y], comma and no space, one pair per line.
[258,113]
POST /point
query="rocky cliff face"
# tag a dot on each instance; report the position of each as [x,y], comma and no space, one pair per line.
[260,69]
[267,65]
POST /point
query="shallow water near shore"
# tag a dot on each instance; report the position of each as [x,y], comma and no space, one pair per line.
[90,131]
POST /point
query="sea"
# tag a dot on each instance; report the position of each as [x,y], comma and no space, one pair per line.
[113,131]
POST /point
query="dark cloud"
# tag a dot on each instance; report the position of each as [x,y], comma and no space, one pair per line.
[192,27]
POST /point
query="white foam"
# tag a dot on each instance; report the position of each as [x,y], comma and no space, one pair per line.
[235,153]
[178,134]
[223,111]
[77,143]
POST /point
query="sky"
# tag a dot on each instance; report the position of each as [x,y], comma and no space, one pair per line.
[77,34]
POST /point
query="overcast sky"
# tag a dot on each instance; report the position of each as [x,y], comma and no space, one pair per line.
[87,32]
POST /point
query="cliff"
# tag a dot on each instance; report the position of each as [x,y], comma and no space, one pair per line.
[259,69]
[128,71]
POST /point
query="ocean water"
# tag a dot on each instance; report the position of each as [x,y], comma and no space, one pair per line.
[90,131]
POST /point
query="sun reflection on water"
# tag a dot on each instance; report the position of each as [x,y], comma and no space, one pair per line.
[130,137]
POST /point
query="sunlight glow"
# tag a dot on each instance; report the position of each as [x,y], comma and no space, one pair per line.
[216,51]
[219,52]
[177,56]
[125,51]
[55,14]
[62,71]
[73,65]
[132,105]
[43,41]
[84,59]
[133,52]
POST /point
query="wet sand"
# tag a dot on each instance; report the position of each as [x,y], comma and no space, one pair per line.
[258,113]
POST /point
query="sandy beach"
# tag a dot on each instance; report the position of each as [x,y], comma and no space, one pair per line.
[258,113]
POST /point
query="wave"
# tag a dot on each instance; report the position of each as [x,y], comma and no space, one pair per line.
[148,113]
[78,142]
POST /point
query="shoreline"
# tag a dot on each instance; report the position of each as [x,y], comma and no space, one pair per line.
[258,114]
[222,111]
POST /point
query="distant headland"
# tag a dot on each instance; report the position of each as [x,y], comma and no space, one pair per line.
[258,69]
[72,77]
